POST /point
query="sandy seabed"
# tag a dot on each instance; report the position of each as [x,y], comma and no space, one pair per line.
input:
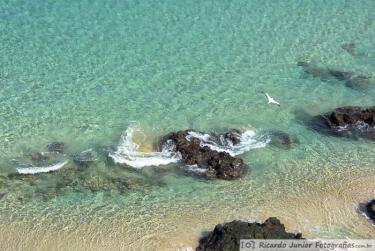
[326,208]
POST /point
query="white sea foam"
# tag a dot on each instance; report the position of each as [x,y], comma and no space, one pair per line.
[202,136]
[128,153]
[34,170]
[195,169]
[248,141]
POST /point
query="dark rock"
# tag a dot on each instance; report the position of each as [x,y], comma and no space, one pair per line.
[317,72]
[34,158]
[227,237]
[359,81]
[233,135]
[282,139]
[56,147]
[218,164]
[303,63]
[350,48]
[341,75]
[350,79]
[38,157]
[368,209]
[351,121]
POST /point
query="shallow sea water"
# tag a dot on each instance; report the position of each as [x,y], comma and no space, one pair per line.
[83,72]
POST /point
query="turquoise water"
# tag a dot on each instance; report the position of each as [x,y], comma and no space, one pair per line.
[82,72]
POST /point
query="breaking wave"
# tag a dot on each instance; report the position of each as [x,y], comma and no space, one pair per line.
[47,169]
[248,141]
[128,153]
[195,169]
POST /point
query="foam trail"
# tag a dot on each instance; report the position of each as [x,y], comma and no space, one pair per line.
[202,136]
[34,170]
[248,141]
[128,153]
[195,169]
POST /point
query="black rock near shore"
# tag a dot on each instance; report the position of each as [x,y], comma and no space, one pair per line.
[233,136]
[217,164]
[350,121]
[368,209]
[227,237]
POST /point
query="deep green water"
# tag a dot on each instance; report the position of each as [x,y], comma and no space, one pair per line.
[82,72]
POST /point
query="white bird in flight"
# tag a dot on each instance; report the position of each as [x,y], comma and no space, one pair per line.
[270,99]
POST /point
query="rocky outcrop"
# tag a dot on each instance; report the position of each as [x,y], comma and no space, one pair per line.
[217,164]
[350,121]
[227,237]
[233,136]
[368,209]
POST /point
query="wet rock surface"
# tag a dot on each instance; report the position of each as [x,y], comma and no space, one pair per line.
[226,237]
[233,136]
[351,121]
[368,209]
[217,164]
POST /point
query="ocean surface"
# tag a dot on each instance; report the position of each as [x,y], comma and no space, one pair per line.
[113,77]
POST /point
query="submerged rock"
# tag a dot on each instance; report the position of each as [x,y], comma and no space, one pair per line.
[85,158]
[38,157]
[218,164]
[282,139]
[368,209]
[350,48]
[341,75]
[56,147]
[349,78]
[227,237]
[350,121]
[358,81]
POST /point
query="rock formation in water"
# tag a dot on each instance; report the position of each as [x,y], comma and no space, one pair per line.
[217,164]
[56,147]
[369,209]
[227,237]
[233,136]
[350,121]
[85,158]
[282,139]
[350,48]
[39,158]
[349,78]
